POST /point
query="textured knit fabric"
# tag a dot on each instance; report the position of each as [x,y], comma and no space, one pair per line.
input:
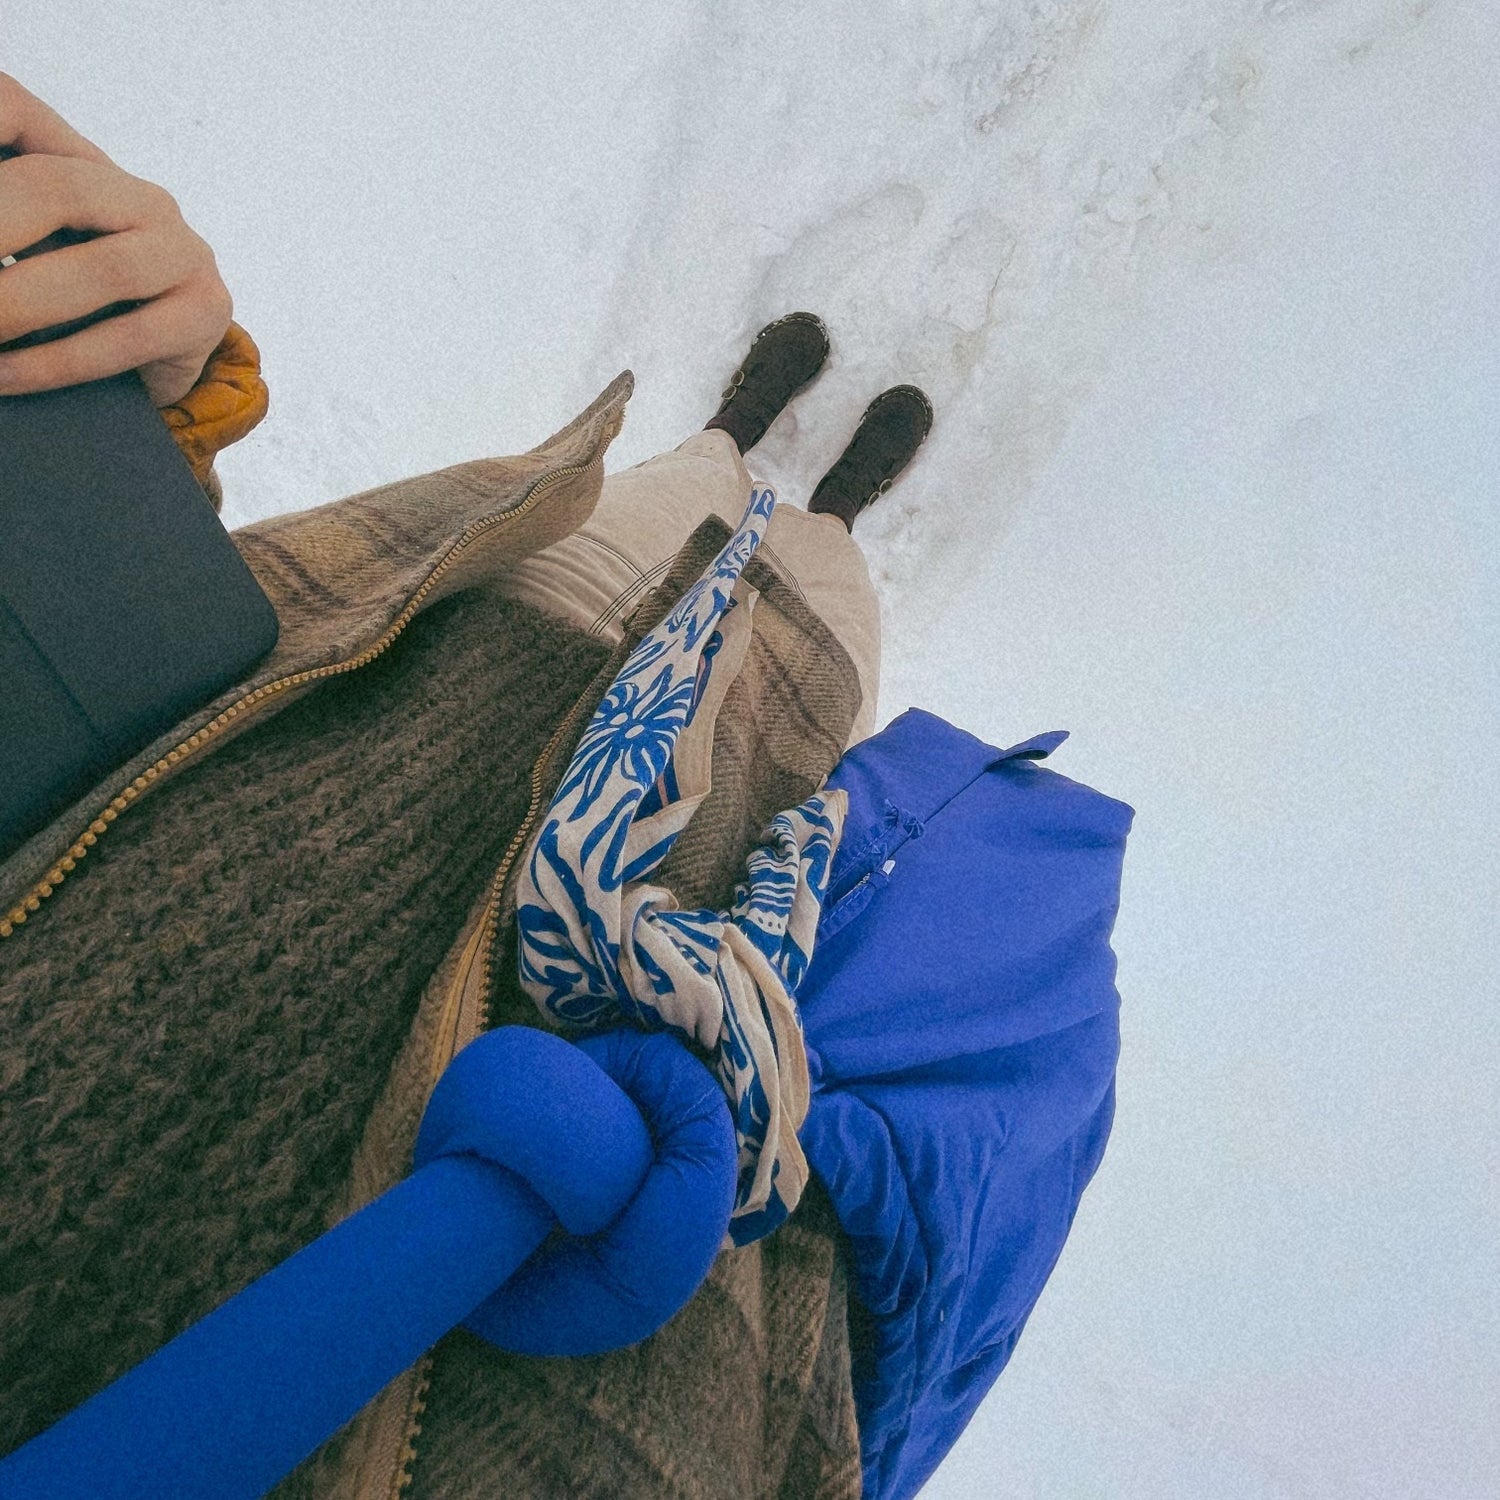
[740,1395]
[347,580]
[623,1138]
[344,579]
[190,1058]
[600,942]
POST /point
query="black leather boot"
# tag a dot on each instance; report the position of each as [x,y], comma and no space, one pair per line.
[886,440]
[783,358]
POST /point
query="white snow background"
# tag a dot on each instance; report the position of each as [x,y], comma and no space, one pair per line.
[1206,297]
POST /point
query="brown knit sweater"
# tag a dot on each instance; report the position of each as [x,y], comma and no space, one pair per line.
[218,1023]
[179,1114]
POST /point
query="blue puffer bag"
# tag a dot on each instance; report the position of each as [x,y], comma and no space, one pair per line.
[960,1020]
[962,1025]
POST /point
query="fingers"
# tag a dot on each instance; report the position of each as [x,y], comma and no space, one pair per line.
[135,266]
[30,125]
[141,251]
[47,290]
[169,338]
[41,194]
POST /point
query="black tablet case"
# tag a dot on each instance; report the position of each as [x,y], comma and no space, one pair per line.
[124,605]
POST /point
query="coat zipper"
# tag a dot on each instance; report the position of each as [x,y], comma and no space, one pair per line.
[194,742]
[466,1013]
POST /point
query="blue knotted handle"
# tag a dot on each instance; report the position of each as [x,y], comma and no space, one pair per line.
[624,1139]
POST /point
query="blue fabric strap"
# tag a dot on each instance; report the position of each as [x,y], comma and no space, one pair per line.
[523,1129]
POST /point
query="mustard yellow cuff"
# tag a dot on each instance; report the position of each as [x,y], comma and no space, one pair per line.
[229,399]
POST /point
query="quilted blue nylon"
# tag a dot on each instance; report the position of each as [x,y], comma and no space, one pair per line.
[963,1026]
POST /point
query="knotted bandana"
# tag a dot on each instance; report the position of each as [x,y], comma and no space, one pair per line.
[599,944]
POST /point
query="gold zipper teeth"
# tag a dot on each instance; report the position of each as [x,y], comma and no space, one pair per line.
[588,699]
[490,926]
[416,1412]
[502,875]
[86,841]
[417,1406]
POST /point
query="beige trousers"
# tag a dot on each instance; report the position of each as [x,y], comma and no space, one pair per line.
[595,577]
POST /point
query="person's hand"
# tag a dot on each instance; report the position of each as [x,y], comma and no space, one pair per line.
[140,251]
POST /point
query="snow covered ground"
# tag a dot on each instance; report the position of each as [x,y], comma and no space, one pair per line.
[1207,299]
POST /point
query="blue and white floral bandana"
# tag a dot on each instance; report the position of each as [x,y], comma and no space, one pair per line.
[598,944]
